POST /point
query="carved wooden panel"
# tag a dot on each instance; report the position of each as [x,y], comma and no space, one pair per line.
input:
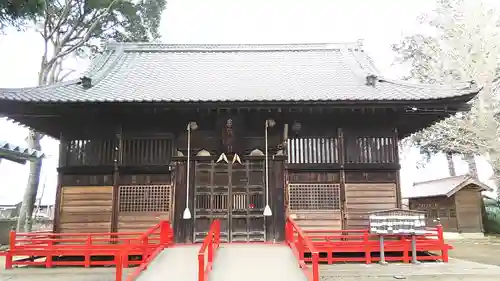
[313,150]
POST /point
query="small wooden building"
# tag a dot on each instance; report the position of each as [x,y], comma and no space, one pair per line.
[455,201]
[127,128]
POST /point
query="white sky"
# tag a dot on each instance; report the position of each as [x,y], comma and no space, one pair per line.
[379,23]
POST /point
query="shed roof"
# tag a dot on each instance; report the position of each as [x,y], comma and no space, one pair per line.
[444,187]
[18,153]
[145,72]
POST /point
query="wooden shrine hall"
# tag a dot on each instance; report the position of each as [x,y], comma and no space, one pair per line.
[248,134]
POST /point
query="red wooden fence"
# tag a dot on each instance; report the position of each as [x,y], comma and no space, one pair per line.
[361,241]
[207,250]
[300,243]
[43,247]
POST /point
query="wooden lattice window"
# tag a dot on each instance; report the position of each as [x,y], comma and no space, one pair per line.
[443,213]
[453,213]
[144,198]
[314,196]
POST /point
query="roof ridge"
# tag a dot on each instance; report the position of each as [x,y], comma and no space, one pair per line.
[465,176]
[459,86]
[147,46]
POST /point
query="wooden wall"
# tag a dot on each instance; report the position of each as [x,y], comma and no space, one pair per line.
[441,207]
[142,206]
[322,158]
[86,209]
[365,176]
[314,199]
[363,198]
[468,207]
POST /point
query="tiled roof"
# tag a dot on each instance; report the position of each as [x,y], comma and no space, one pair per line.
[443,187]
[140,72]
[18,153]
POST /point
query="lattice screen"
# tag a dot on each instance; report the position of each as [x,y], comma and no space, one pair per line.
[144,198]
[314,196]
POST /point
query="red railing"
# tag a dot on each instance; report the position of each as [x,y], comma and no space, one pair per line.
[299,243]
[207,251]
[117,245]
[165,241]
[361,241]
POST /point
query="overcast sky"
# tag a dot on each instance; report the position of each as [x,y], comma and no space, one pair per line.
[379,24]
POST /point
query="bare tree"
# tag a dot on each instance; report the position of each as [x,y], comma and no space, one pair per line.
[78,27]
[461,45]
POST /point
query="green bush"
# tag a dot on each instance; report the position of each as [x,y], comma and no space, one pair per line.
[491,218]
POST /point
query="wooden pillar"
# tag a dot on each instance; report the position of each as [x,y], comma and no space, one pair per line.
[116,180]
[183,229]
[275,225]
[398,175]
[342,151]
[63,149]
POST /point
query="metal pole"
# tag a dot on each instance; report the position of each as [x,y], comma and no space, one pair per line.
[267,209]
[267,167]
[187,212]
[414,250]
[382,251]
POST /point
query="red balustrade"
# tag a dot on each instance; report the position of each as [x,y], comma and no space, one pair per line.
[119,245]
[361,241]
[207,250]
[300,244]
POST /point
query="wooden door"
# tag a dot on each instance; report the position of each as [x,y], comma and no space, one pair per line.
[232,193]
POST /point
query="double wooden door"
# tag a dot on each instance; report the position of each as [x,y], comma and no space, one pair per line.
[234,193]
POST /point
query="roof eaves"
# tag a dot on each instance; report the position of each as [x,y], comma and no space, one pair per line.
[412,196]
[467,181]
[145,46]
[19,154]
[380,102]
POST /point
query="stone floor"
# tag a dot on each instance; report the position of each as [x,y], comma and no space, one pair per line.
[455,269]
[177,263]
[252,262]
[59,274]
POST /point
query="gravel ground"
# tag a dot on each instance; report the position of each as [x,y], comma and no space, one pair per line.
[483,251]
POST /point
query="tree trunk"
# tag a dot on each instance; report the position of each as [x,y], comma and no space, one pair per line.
[451,165]
[471,164]
[24,223]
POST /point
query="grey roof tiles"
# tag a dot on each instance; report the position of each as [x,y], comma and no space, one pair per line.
[443,187]
[143,72]
[18,153]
